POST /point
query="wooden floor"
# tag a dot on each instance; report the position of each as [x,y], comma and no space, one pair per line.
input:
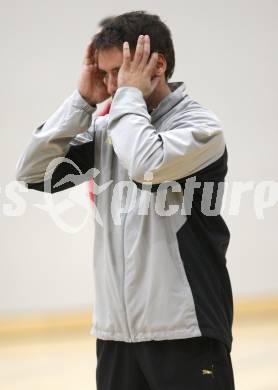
[67,362]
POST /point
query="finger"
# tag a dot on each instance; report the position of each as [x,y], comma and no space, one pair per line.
[95,57]
[88,55]
[149,69]
[126,54]
[146,52]
[138,51]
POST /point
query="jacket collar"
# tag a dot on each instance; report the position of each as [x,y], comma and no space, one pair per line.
[178,93]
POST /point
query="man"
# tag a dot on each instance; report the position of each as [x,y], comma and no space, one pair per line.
[163,302]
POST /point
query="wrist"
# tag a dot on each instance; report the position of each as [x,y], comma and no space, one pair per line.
[130,87]
[87,100]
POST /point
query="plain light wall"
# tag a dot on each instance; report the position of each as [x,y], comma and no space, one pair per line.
[226,53]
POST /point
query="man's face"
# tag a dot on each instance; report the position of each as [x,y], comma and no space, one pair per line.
[109,63]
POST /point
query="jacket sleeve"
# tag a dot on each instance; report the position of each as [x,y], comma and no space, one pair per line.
[61,150]
[192,140]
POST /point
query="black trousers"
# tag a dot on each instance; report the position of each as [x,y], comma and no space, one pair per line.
[199,363]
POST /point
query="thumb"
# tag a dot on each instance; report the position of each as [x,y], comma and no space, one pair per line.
[154,82]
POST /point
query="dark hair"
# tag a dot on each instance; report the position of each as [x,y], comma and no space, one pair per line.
[128,26]
[105,21]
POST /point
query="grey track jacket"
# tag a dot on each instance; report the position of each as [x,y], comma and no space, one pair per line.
[159,257]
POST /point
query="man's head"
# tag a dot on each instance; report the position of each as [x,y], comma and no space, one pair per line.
[127,27]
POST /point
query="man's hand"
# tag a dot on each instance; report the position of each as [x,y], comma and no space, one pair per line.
[90,85]
[139,73]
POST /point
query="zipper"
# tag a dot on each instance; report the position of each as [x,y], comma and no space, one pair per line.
[124,297]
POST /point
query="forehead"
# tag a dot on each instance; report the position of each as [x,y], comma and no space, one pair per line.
[109,59]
